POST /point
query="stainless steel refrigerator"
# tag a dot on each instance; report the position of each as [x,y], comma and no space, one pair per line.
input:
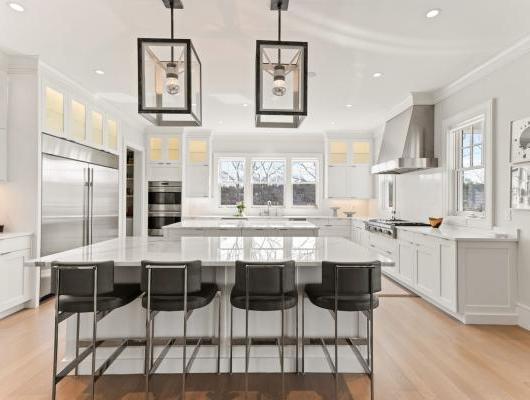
[80,198]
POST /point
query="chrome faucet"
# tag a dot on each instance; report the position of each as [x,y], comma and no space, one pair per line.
[269,204]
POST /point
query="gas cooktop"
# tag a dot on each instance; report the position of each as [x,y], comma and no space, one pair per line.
[389,226]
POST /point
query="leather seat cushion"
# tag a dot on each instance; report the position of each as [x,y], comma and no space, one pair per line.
[176,303]
[263,302]
[349,302]
[123,294]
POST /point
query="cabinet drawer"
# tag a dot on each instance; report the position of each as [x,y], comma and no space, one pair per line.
[15,244]
[407,236]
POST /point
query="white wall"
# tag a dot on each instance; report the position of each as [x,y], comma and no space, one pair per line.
[303,143]
[420,194]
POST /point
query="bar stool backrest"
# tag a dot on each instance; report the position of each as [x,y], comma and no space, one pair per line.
[77,278]
[167,278]
[265,278]
[352,281]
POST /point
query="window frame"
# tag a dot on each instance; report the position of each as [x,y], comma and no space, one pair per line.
[286,179]
[480,113]
[288,189]
[218,179]
[317,181]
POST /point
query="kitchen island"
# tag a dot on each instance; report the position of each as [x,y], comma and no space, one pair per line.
[219,255]
[231,227]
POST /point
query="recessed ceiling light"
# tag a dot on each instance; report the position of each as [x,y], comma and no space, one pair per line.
[377,74]
[349,105]
[220,122]
[245,105]
[16,7]
[332,122]
[99,72]
[433,13]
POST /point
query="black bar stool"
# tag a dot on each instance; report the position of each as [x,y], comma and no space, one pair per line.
[264,287]
[88,288]
[175,286]
[347,287]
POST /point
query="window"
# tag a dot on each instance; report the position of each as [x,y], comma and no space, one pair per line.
[469,169]
[231,181]
[304,180]
[268,182]
[387,191]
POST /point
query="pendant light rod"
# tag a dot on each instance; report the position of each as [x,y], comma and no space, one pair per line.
[172,30]
[279,30]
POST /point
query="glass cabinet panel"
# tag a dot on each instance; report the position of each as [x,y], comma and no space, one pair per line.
[78,121]
[155,149]
[338,152]
[97,128]
[173,149]
[112,134]
[198,151]
[54,112]
[361,153]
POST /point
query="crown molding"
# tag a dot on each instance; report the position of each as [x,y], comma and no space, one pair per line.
[503,58]
[21,65]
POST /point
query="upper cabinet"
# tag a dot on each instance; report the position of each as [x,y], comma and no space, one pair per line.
[67,116]
[165,157]
[112,134]
[53,112]
[349,162]
[197,182]
[78,121]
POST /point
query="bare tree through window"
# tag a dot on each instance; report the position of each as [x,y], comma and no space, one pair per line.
[268,181]
[232,181]
[304,180]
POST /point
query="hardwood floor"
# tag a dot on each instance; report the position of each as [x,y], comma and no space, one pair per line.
[420,354]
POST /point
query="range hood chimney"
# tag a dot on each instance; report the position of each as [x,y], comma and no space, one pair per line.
[408,142]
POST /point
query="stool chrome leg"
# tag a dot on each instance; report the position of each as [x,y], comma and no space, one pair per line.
[219,333]
[231,333]
[303,332]
[147,350]
[297,337]
[282,360]
[94,334]
[55,340]
[78,317]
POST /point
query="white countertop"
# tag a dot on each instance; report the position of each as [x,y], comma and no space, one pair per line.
[272,217]
[220,251]
[12,235]
[452,232]
[240,224]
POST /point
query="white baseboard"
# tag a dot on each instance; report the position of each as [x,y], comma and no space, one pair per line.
[490,319]
[524,316]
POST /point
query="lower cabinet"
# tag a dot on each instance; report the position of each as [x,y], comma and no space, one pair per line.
[332,227]
[15,279]
[406,262]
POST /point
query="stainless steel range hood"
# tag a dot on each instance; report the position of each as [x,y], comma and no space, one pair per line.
[408,142]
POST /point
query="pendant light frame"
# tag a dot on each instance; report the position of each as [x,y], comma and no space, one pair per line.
[159,114]
[267,117]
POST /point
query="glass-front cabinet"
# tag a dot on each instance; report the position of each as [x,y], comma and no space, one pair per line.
[165,157]
[67,115]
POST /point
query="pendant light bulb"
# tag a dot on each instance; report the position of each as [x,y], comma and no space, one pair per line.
[172,79]
[279,86]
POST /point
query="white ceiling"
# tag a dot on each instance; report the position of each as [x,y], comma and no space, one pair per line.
[349,40]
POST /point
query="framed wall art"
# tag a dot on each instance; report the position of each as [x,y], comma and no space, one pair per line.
[520,146]
[520,187]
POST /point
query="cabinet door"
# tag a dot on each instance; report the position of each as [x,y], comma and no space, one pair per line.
[156,150]
[53,112]
[448,283]
[338,182]
[14,288]
[407,261]
[361,182]
[427,270]
[198,152]
[338,153]
[173,149]
[197,181]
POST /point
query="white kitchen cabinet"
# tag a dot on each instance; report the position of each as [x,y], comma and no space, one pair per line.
[407,261]
[164,157]
[15,279]
[448,286]
[197,180]
[427,270]
[349,174]
[3,154]
[332,227]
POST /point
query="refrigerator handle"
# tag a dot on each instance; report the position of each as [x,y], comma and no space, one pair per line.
[91,203]
[85,206]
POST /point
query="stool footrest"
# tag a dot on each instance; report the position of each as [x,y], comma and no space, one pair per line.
[76,361]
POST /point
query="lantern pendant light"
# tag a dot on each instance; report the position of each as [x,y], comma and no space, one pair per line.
[169,79]
[281,79]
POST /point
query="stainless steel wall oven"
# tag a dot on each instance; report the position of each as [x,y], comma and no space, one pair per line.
[165,204]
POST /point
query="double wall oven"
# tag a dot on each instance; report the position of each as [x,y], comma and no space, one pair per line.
[165,205]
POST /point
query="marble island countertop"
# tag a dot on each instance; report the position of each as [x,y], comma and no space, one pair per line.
[240,224]
[220,251]
[12,235]
[453,232]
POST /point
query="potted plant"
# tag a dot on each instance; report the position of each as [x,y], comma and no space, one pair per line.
[240,208]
